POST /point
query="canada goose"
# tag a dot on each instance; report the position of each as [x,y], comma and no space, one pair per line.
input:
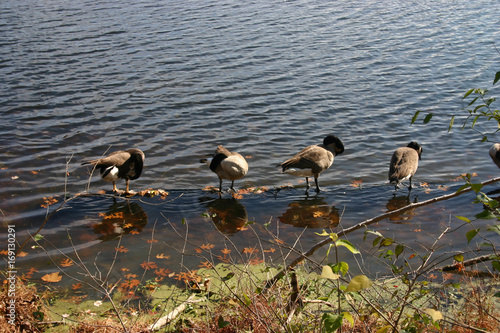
[313,160]
[227,165]
[124,164]
[495,154]
[404,163]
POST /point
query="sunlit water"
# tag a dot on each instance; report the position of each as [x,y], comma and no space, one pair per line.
[265,78]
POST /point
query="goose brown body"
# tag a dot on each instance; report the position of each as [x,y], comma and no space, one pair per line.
[313,160]
[227,165]
[122,164]
[404,163]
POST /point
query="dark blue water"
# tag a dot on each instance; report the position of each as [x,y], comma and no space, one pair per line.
[264,78]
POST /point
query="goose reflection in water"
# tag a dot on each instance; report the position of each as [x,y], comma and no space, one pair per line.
[311,213]
[228,215]
[121,218]
[397,202]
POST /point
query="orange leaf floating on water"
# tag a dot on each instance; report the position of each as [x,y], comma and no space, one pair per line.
[162,256]
[53,277]
[101,192]
[248,156]
[206,264]
[443,188]
[412,256]
[149,265]
[35,172]
[250,250]
[272,249]
[256,261]
[152,241]
[121,249]
[318,214]
[134,232]
[116,215]
[130,284]
[124,269]
[48,202]
[225,251]
[30,272]
[130,276]
[207,246]
[66,262]
[76,286]
[162,272]
[22,254]
[356,183]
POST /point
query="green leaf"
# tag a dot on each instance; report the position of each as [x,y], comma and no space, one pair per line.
[399,249]
[434,314]
[428,118]
[38,237]
[496,265]
[384,329]
[471,234]
[341,267]
[347,316]
[452,120]
[476,187]
[331,323]
[228,277]
[386,242]
[327,273]
[348,245]
[497,77]
[485,215]
[358,283]
[332,235]
[222,323]
[414,118]
[247,299]
[495,228]
[468,93]
[463,218]
[459,257]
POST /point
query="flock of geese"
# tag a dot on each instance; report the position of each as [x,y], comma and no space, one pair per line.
[309,162]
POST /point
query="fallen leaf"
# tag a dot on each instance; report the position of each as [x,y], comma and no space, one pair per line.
[121,249]
[66,262]
[149,265]
[162,256]
[53,277]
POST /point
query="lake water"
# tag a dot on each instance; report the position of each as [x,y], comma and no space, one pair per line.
[264,78]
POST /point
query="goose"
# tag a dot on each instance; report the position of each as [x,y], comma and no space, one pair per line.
[404,163]
[495,154]
[227,165]
[313,160]
[122,164]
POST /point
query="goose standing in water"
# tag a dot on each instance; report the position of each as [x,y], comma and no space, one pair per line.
[313,160]
[404,163]
[122,164]
[227,165]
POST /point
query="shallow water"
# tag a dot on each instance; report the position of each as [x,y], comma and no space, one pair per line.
[176,79]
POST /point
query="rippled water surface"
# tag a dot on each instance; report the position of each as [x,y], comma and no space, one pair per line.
[265,78]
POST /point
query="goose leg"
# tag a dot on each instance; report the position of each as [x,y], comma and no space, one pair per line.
[114,187]
[307,185]
[232,186]
[220,186]
[317,185]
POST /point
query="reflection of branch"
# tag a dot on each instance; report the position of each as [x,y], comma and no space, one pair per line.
[365,223]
